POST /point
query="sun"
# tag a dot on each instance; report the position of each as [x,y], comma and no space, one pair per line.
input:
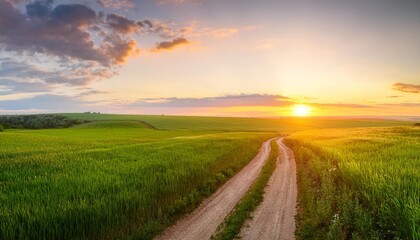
[301,110]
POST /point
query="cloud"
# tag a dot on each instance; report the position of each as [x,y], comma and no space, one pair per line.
[167,30]
[168,45]
[75,31]
[173,1]
[408,88]
[77,15]
[89,92]
[228,105]
[339,105]
[66,30]
[116,3]
[123,25]
[80,45]
[23,77]
[402,104]
[217,33]
[48,102]
[10,86]
[222,101]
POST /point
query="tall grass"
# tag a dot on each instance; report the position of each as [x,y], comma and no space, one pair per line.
[358,183]
[111,182]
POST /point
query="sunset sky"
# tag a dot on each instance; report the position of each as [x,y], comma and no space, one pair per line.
[211,57]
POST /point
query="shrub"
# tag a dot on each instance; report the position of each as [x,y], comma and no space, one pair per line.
[1,128]
[38,121]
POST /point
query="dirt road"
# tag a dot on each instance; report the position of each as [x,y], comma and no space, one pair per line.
[203,222]
[274,218]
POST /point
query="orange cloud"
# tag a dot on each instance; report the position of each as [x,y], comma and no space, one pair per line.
[408,88]
[169,45]
[125,50]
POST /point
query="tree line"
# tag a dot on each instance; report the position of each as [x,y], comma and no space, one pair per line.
[38,121]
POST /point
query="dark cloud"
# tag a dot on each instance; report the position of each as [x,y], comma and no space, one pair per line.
[39,9]
[82,46]
[146,23]
[76,15]
[168,45]
[122,24]
[408,88]
[58,32]
[75,31]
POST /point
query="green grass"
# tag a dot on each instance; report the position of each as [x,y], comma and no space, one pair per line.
[126,176]
[114,124]
[233,223]
[111,181]
[282,125]
[359,183]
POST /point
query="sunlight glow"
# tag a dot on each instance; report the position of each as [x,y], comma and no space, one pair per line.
[301,110]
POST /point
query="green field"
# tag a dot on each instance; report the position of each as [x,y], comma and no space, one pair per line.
[282,125]
[361,183]
[111,180]
[130,176]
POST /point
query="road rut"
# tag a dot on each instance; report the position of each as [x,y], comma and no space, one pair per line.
[203,222]
[274,217]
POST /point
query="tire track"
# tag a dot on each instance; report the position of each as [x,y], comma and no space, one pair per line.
[203,222]
[274,218]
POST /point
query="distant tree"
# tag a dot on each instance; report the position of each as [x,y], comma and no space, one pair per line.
[416,124]
[1,128]
[38,121]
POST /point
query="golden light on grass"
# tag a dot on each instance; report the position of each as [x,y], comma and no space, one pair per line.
[301,110]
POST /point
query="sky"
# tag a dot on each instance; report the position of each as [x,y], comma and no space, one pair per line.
[211,57]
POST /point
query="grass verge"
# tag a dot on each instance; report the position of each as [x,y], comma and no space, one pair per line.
[358,183]
[233,223]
